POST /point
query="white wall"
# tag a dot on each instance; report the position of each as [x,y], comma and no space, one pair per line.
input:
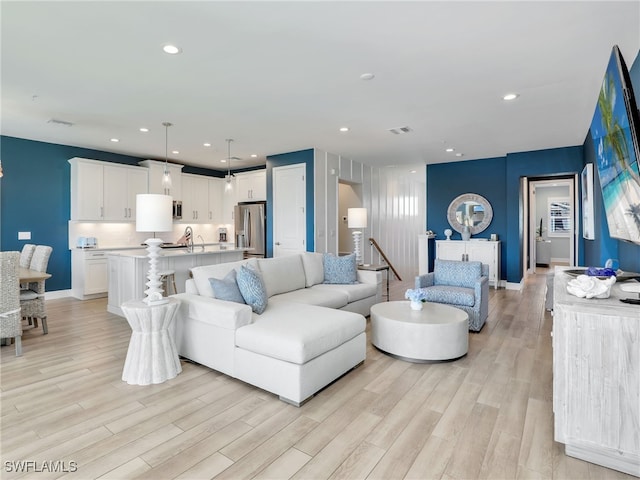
[395,200]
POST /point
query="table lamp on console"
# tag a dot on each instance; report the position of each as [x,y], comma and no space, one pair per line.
[154,213]
[357,219]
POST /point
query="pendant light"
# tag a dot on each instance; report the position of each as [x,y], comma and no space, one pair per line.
[166,176]
[227,177]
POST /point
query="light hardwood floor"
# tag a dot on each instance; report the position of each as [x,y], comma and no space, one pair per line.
[487,415]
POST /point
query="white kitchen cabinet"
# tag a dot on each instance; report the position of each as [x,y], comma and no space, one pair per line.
[121,185]
[596,377]
[89,276]
[229,201]
[251,186]
[105,190]
[86,190]
[195,198]
[156,171]
[487,252]
[216,206]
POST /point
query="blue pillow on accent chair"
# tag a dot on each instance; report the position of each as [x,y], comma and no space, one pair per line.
[340,270]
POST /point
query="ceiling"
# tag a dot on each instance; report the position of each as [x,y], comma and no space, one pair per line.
[285,76]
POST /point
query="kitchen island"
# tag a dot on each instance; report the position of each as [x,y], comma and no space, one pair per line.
[128,269]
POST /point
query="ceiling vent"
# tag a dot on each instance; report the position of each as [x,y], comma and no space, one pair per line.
[64,123]
[399,130]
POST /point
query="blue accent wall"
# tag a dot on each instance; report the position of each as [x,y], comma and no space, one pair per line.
[445,181]
[35,197]
[291,158]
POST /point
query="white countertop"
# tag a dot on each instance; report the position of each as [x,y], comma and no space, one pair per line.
[109,248]
[174,252]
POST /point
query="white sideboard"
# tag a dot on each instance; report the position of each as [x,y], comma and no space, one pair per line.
[596,377]
[473,250]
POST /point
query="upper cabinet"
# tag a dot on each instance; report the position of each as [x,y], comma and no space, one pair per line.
[216,200]
[195,198]
[104,190]
[156,171]
[251,186]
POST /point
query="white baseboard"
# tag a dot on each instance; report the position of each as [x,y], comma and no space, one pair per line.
[57,294]
[514,286]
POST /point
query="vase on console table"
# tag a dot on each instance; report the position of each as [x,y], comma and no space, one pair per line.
[466,234]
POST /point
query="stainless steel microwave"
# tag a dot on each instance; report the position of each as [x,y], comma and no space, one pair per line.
[177,209]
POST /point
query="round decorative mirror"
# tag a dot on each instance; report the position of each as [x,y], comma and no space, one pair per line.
[472,210]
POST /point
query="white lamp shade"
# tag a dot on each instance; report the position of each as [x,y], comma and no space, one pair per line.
[357,217]
[154,213]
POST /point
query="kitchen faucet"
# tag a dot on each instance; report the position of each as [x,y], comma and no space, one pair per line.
[188,233]
[202,239]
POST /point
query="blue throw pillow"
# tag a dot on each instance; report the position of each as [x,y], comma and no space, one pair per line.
[342,270]
[227,288]
[252,289]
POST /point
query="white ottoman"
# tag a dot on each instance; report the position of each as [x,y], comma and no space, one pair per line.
[435,333]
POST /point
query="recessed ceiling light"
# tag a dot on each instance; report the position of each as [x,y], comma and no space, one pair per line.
[115,140]
[450,150]
[510,96]
[223,160]
[459,154]
[253,155]
[144,129]
[175,152]
[412,171]
[344,129]
[171,49]
[367,76]
[207,144]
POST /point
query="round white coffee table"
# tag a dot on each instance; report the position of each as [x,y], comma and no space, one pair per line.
[437,332]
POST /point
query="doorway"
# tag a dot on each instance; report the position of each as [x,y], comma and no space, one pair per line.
[551,228]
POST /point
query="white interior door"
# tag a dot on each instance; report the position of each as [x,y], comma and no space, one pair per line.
[289,210]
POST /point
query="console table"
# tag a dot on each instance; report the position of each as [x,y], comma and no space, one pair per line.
[596,377]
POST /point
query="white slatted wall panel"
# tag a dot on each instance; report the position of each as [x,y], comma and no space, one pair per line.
[396,204]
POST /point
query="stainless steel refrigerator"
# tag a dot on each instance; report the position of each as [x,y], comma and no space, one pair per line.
[250,227]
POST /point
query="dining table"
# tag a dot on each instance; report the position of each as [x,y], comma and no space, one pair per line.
[27,275]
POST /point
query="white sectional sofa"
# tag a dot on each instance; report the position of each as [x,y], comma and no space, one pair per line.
[310,334]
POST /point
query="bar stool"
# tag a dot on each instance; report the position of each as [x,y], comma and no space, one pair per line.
[168,279]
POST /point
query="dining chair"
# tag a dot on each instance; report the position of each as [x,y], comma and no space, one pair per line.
[32,300]
[26,255]
[10,317]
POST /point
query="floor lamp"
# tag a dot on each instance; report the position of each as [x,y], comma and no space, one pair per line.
[356,219]
[154,213]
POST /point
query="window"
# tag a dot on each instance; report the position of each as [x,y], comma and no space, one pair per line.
[559,217]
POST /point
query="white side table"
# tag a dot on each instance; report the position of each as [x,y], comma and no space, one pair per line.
[152,356]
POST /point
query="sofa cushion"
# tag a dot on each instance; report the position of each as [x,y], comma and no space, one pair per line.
[450,295]
[354,292]
[313,268]
[252,288]
[456,273]
[298,333]
[202,274]
[311,296]
[227,288]
[340,270]
[282,274]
